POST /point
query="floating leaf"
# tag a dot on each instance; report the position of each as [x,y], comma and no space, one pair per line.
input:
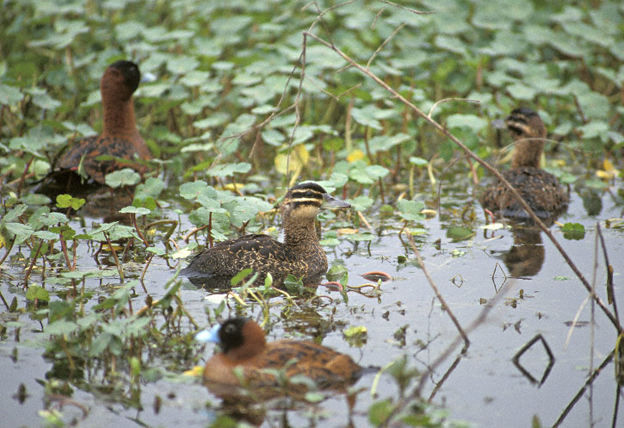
[459,233]
[573,231]
[411,210]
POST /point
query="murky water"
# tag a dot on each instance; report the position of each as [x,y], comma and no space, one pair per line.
[482,386]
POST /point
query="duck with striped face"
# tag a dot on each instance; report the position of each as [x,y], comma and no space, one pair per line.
[300,254]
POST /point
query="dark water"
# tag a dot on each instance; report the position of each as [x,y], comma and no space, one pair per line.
[484,386]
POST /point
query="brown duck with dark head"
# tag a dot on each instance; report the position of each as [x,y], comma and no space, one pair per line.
[247,359]
[120,137]
[300,254]
[540,189]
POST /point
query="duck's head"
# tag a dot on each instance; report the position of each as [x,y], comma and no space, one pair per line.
[528,130]
[305,201]
[120,80]
[240,338]
[525,123]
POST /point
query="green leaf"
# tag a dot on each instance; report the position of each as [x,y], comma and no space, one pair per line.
[138,211]
[384,143]
[411,210]
[236,279]
[182,64]
[361,203]
[573,231]
[380,411]
[36,292]
[459,233]
[418,161]
[366,116]
[15,213]
[19,231]
[61,327]
[152,187]
[366,237]
[124,177]
[10,95]
[474,123]
[193,189]
[227,170]
[68,201]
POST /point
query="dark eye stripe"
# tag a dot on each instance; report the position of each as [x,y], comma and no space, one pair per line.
[517,119]
[306,193]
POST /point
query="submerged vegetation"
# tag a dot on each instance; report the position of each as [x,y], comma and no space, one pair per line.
[250,98]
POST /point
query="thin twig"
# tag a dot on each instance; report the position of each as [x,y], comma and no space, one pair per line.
[445,100]
[390,37]
[610,294]
[417,12]
[445,306]
[580,393]
[110,246]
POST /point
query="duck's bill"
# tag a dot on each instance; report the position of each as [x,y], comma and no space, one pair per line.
[211,335]
[334,203]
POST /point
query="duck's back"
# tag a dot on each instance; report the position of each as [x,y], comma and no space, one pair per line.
[326,367]
[90,148]
[540,189]
[261,253]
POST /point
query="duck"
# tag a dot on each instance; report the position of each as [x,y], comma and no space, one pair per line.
[300,254]
[120,137]
[248,360]
[540,189]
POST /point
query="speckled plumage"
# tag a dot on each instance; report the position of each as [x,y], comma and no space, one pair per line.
[540,189]
[244,345]
[120,137]
[300,255]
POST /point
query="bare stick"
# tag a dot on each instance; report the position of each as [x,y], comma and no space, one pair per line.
[368,64]
[580,393]
[610,293]
[445,307]
[110,245]
[417,12]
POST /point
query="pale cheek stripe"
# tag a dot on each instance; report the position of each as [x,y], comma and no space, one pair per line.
[306,200]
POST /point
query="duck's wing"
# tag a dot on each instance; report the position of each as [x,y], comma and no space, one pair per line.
[540,189]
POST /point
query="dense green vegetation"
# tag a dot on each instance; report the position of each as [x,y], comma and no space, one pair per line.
[244,102]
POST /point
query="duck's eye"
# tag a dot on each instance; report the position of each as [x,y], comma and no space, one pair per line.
[230,329]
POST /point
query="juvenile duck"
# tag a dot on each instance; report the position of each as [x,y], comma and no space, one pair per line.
[540,189]
[244,348]
[300,255]
[120,137]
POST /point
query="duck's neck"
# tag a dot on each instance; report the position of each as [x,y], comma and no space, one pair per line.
[528,153]
[301,232]
[119,116]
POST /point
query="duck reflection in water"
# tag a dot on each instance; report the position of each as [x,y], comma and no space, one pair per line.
[526,256]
